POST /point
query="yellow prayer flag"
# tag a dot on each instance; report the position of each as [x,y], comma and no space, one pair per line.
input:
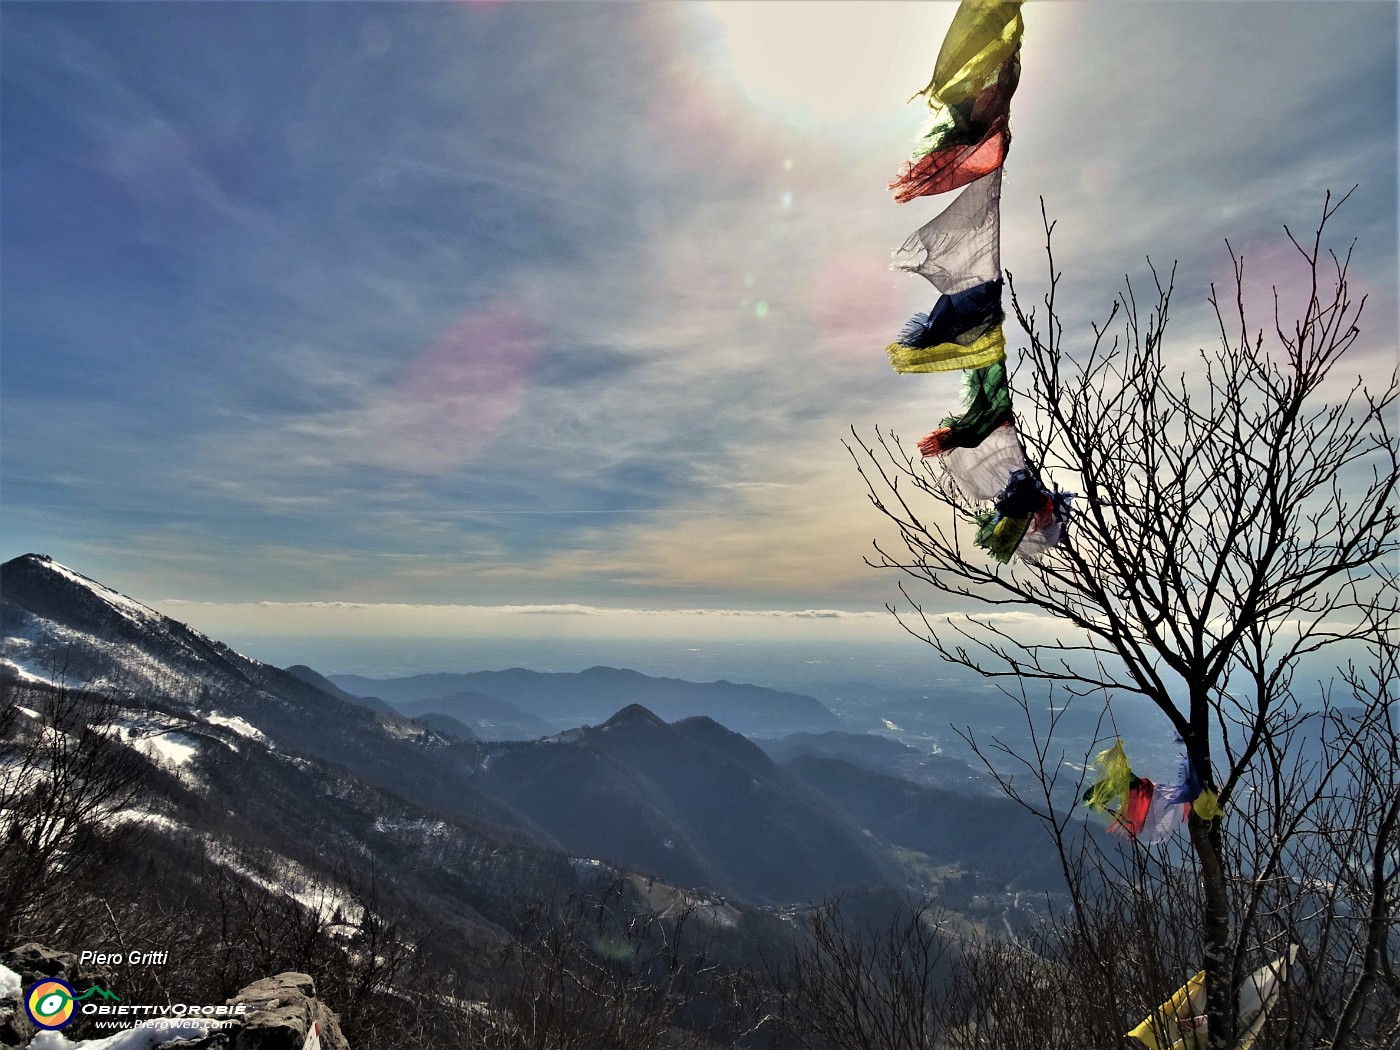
[987,349]
[982,39]
[1179,1023]
[1207,805]
[1158,1030]
[1115,777]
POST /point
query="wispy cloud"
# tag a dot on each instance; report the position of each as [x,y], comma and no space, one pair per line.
[572,305]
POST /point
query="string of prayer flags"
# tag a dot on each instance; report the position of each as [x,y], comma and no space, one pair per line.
[959,252]
[1001,532]
[1022,508]
[976,74]
[1141,808]
[1045,516]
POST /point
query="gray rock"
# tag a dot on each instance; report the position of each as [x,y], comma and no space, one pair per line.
[33,962]
[281,1011]
[15,1029]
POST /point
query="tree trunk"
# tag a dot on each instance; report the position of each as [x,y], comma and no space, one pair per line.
[1220,1000]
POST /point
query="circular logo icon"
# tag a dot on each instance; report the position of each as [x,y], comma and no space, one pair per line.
[50,1003]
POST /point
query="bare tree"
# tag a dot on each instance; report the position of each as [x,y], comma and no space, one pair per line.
[1232,522]
[63,787]
[850,985]
[595,972]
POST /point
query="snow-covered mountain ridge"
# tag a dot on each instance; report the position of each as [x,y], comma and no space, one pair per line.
[59,627]
[63,628]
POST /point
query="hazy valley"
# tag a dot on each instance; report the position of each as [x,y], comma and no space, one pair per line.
[433,811]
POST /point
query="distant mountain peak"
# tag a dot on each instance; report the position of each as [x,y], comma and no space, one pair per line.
[565,700]
[42,566]
[47,586]
[602,671]
[633,715]
[314,678]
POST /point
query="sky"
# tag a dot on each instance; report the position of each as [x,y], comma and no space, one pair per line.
[428,318]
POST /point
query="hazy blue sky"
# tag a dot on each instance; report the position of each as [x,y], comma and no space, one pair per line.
[534,304]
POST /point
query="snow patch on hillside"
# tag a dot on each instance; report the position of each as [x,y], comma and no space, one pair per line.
[291,880]
[241,726]
[146,816]
[168,750]
[568,736]
[16,654]
[590,866]
[403,729]
[157,736]
[160,665]
[136,671]
[421,827]
[24,674]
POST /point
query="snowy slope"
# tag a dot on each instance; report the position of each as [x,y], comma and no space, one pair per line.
[60,626]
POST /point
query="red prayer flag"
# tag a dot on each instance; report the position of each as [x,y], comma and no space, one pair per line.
[1133,816]
[953,166]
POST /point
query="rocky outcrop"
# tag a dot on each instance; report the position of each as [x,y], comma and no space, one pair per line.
[31,963]
[15,1029]
[281,1013]
[34,962]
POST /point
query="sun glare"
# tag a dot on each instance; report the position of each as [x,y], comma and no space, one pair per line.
[830,62]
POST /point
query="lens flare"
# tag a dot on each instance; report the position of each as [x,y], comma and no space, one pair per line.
[453,398]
